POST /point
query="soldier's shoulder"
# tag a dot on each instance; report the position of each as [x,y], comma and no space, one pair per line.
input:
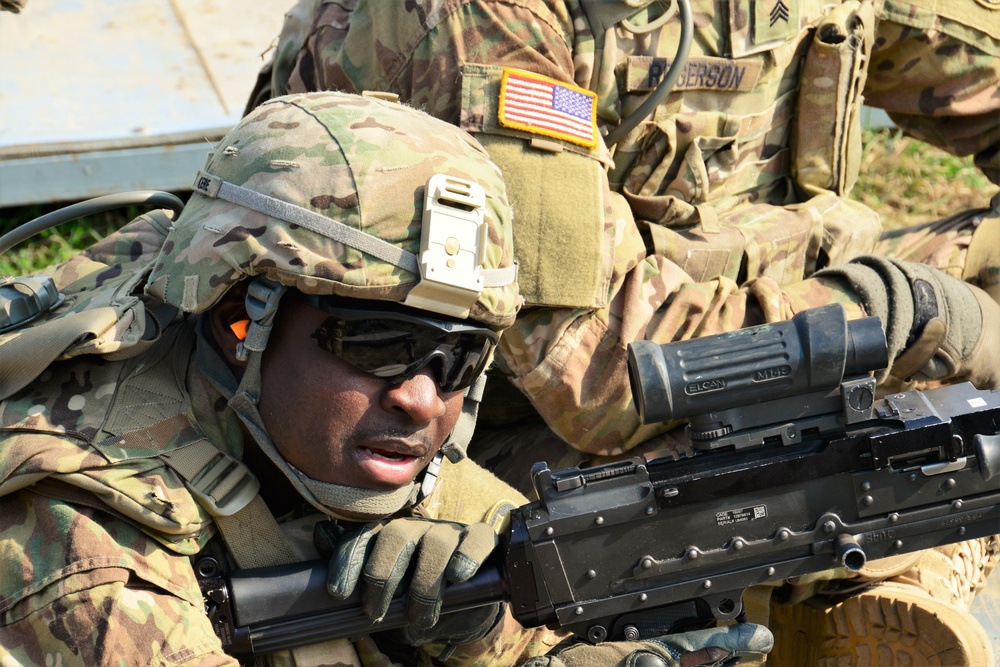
[469,493]
[50,540]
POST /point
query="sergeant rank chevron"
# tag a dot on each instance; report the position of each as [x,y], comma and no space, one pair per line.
[779,12]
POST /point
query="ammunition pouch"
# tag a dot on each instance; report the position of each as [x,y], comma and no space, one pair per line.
[741,171]
[826,135]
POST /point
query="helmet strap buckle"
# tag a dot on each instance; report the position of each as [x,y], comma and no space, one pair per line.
[263,296]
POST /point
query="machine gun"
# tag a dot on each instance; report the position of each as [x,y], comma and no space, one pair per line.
[799,468]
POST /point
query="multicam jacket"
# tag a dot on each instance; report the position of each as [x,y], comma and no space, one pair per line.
[98,520]
[715,211]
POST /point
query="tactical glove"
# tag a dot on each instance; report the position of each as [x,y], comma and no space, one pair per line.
[937,327]
[714,646]
[435,552]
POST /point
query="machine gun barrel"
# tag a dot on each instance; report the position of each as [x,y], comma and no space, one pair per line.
[263,610]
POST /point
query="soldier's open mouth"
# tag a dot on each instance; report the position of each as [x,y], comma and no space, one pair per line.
[389,467]
[390,455]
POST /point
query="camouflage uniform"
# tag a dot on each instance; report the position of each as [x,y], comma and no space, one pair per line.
[120,460]
[737,198]
[714,213]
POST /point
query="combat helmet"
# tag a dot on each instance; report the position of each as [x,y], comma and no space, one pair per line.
[326,192]
[343,196]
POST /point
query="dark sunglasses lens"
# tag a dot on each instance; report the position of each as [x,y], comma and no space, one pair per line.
[394,349]
[468,359]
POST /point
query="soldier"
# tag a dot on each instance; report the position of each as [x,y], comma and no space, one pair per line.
[683,169]
[306,341]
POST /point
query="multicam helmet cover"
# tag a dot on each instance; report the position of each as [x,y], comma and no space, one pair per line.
[322,192]
[287,192]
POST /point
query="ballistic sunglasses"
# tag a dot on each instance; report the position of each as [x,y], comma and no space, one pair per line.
[395,346]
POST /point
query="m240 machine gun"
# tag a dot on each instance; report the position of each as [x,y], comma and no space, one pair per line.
[800,468]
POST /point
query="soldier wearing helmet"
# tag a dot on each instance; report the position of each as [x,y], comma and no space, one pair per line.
[288,370]
[691,162]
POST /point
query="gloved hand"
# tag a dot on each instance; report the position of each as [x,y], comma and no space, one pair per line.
[961,342]
[713,646]
[439,551]
[937,327]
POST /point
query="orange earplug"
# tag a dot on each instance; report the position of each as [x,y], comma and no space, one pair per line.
[239,329]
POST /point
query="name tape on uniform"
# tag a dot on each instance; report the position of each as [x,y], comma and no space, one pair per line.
[703,73]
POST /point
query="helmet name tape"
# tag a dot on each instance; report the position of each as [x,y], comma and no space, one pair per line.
[452,247]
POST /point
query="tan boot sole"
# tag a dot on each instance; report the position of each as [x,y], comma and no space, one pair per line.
[888,625]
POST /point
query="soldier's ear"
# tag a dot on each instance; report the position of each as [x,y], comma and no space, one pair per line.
[227,325]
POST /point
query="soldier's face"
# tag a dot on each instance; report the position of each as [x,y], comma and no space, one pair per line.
[341,425]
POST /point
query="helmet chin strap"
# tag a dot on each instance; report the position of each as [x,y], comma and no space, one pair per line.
[457,443]
[341,502]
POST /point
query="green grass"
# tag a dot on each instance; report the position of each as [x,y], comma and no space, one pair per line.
[57,244]
[907,181]
[904,180]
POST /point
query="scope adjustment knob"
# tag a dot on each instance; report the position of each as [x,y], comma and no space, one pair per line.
[710,434]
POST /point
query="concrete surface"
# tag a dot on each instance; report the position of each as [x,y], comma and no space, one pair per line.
[102,96]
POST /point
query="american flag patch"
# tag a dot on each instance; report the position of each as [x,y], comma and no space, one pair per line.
[541,105]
